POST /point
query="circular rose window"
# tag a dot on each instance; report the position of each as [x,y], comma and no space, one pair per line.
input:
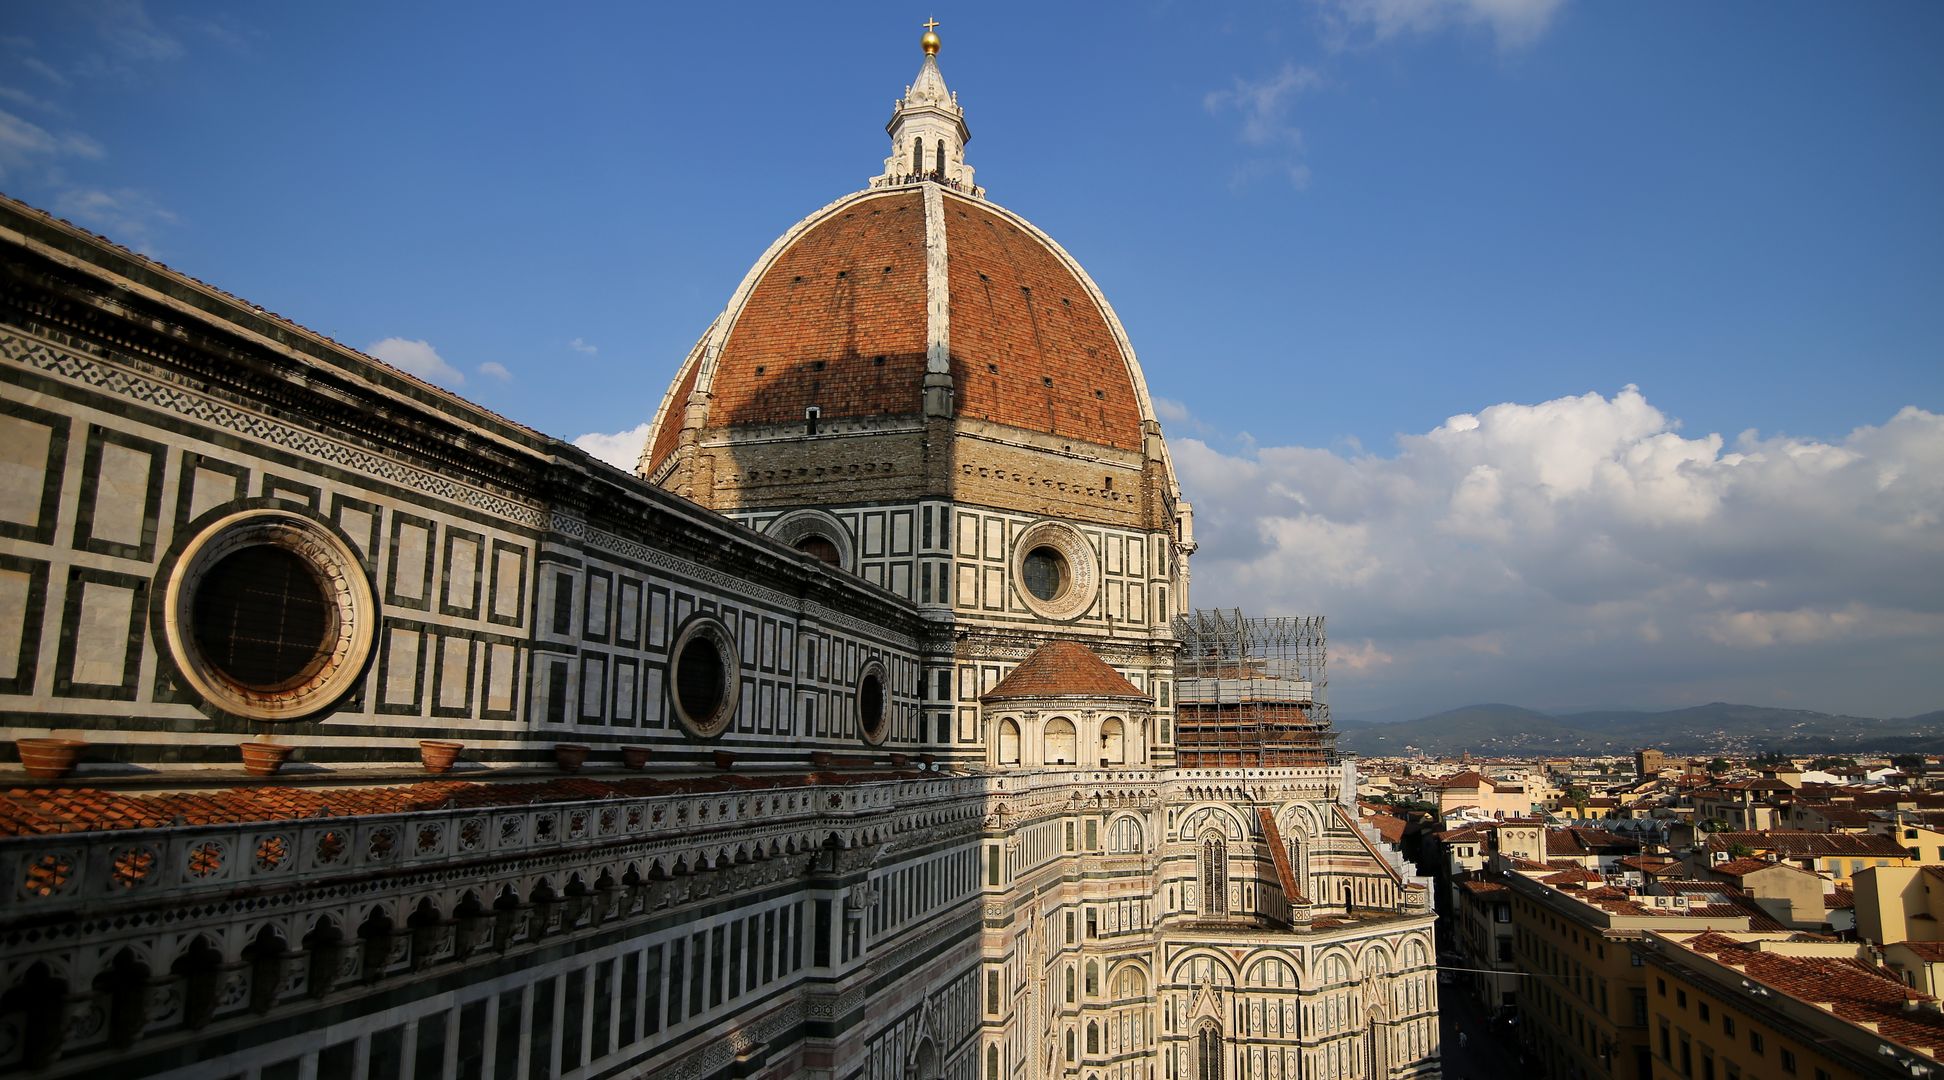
[1054,571]
[268,614]
[704,681]
[873,713]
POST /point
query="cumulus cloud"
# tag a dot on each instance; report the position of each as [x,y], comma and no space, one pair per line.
[1264,107]
[1586,551]
[418,358]
[583,347]
[622,449]
[1514,23]
[494,370]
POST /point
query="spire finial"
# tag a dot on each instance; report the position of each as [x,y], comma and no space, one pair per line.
[930,41]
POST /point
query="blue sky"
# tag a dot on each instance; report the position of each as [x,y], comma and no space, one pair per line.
[1330,227]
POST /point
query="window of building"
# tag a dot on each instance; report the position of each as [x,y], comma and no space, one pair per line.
[704,659]
[1727,1024]
[1788,1061]
[1059,742]
[1214,876]
[1755,1040]
[1045,572]
[1208,1052]
[873,721]
[821,548]
[268,614]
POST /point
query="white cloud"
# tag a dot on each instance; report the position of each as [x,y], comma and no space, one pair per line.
[124,215]
[127,28]
[1514,23]
[622,449]
[45,70]
[25,100]
[25,144]
[1264,107]
[583,347]
[495,370]
[416,358]
[1583,550]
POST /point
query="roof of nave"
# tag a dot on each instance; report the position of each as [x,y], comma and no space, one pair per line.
[30,810]
[1062,668]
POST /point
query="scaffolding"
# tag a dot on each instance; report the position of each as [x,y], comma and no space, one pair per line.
[1248,692]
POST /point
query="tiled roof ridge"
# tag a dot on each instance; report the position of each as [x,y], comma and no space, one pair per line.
[1063,668]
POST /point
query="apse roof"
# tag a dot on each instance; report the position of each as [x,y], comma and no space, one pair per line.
[1063,669]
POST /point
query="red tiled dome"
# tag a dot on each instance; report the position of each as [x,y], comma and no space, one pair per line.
[837,315]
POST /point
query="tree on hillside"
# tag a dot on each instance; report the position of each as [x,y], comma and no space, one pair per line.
[1833,761]
[1718,766]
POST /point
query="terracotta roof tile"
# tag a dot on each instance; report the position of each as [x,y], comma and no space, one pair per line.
[1062,668]
[1015,306]
[28,811]
[1847,988]
[1930,952]
[1810,844]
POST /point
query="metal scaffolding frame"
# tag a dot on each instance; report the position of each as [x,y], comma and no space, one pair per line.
[1248,691]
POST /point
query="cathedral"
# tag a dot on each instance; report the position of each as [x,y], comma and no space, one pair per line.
[866,730]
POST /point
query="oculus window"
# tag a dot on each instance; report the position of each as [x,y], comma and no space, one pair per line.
[703,683]
[266,612]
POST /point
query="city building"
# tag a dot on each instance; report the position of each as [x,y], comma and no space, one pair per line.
[1583,993]
[1740,1006]
[867,732]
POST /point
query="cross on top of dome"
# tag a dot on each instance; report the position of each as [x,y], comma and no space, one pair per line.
[927,129]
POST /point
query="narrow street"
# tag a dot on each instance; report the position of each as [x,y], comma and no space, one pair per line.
[1488,1050]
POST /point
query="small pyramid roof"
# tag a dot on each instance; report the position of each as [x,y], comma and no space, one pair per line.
[1063,669]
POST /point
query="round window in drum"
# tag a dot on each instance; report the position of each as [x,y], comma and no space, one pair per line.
[1054,570]
[873,711]
[267,614]
[704,683]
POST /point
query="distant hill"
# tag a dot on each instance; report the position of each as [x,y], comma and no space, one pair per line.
[1508,730]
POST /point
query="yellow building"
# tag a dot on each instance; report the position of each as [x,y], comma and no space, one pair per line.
[1900,903]
[1750,1006]
[1583,999]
